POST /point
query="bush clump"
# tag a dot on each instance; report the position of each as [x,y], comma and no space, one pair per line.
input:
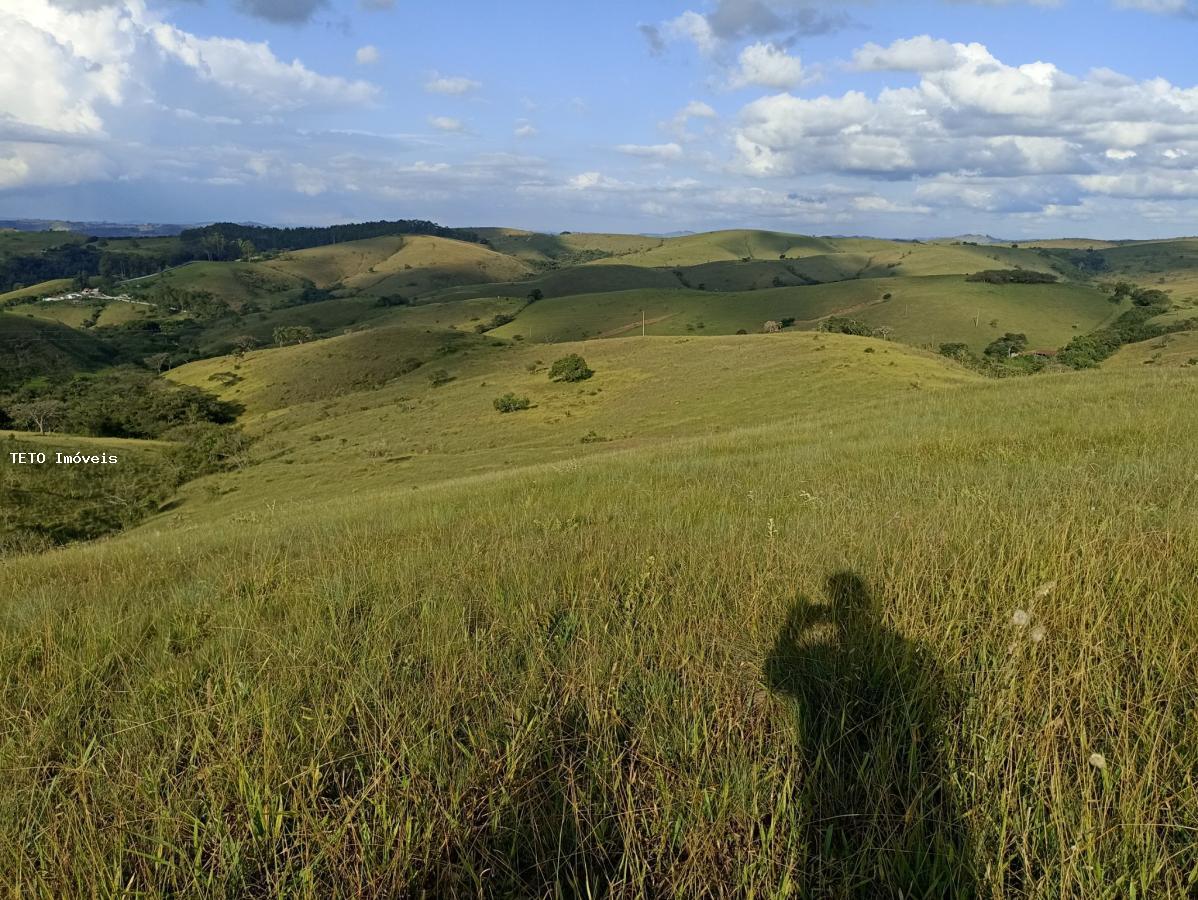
[1012,276]
[570,368]
[509,402]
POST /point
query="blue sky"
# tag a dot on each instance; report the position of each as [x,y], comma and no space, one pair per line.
[902,119]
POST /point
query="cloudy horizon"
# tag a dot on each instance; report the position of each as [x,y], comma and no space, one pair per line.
[1018,119]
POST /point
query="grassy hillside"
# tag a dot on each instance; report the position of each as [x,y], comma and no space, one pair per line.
[1172,265]
[15,243]
[872,631]
[410,266]
[237,283]
[384,427]
[1170,351]
[568,248]
[31,348]
[76,314]
[920,311]
[42,289]
[573,280]
[719,246]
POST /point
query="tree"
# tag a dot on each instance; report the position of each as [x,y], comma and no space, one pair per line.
[535,294]
[213,244]
[292,334]
[40,414]
[1007,346]
[570,368]
[158,361]
[246,248]
[956,350]
[243,344]
[771,327]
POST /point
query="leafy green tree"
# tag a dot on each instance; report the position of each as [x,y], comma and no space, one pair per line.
[1006,346]
[570,368]
[43,414]
[292,334]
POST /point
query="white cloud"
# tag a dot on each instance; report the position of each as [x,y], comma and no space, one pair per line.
[679,124]
[367,55]
[660,152]
[445,84]
[978,120]
[446,123]
[766,65]
[692,27]
[917,54]
[253,70]
[525,130]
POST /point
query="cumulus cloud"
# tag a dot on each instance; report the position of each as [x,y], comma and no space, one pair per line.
[253,70]
[973,117]
[77,77]
[447,123]
[766,65]
[525,130]
[446,84]
[917,54]
[367,55]
[734,20]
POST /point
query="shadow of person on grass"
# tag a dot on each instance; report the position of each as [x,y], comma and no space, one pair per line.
[871,708]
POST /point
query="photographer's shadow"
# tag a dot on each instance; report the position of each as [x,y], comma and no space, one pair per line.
[871,708]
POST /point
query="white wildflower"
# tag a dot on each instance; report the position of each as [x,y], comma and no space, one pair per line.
[1020,617]
[1098,761]
[1038,634]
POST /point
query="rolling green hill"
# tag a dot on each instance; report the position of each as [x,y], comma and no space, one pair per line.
[236,283]
[750,614]
[76,314]
[567,248]
[31,348]
[919,311]
[607,648]
[411,266]
[718,246]
[1170,351]
[41,289]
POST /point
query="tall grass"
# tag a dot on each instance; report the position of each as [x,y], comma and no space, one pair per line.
[948,651]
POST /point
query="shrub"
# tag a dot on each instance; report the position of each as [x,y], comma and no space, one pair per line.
[841,325]
[771,327]
[203,448]
[509,402]
[570,368]
[1012,276]
[439,377]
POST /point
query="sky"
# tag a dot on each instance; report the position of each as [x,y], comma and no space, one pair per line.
[901,119]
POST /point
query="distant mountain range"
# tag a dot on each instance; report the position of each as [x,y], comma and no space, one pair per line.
[98,229]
